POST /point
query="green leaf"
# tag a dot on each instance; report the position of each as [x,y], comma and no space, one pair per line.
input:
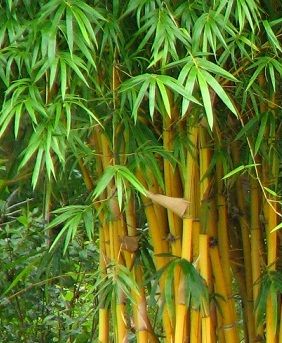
[239,169]
[219,91]
[18,114]
[270,191]
[164,96]
[272,38]
[205,97]
[104,181]
[68,116]
[53,72]
[37,167]
[189,87]
[261,132]
[69,27]
[139,98]
[152,94]
[131,178]
[277,227]
[25,272]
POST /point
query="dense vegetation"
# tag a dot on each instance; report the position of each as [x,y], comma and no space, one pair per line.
[140,171]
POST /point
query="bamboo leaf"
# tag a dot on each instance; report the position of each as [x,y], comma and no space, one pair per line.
[53,72]
[131,178]
[18,114]
[219,91]
[261,132]
[164,96]
[69,27]
[189,87]
[21,275]
[277,227]
[152,94]
[273,39]
[140,97]
[104,181]
[205,97]
[119,186]
[37,167]
[239,169]
[270,191]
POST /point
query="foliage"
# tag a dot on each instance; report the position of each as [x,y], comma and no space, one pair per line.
[102,102]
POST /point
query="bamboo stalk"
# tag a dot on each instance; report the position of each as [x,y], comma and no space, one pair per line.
[103,325]
[205,273]
[160,246]
[205,157]
[186,251]
[172,187]
[181,308]
[122,336]
[229,325]
[142,323]
[271,333]
[256,245]
[181,313]
[223,239]
[245,232]
[196,334]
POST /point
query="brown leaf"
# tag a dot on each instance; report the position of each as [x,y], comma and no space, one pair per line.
[130,243]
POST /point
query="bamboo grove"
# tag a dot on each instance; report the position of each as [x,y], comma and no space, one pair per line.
[169,115]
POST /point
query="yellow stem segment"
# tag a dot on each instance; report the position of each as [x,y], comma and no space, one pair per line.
[204,270]
[103,325]
[271,334]
[229,325]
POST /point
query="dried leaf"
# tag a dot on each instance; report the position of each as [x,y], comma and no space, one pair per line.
[130,243]
[176,205]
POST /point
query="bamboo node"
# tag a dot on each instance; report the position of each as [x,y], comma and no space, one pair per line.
[147,204]
[255,228]
[229,326]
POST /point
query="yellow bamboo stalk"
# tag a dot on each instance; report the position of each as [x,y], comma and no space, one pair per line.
[196,239]
[223,245]
[229,325]
[187,238]
[104,256]
[153,186]
[195,333]
[205,273]
[223,240]
[142,323]
[205,157]
[245,233]
[181,318]
[172,187]
[160,246]
[256,244]
[181,308]
[103,325]
[271,334]
[181,312]
[122,336]
[103,312]
[190,177]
